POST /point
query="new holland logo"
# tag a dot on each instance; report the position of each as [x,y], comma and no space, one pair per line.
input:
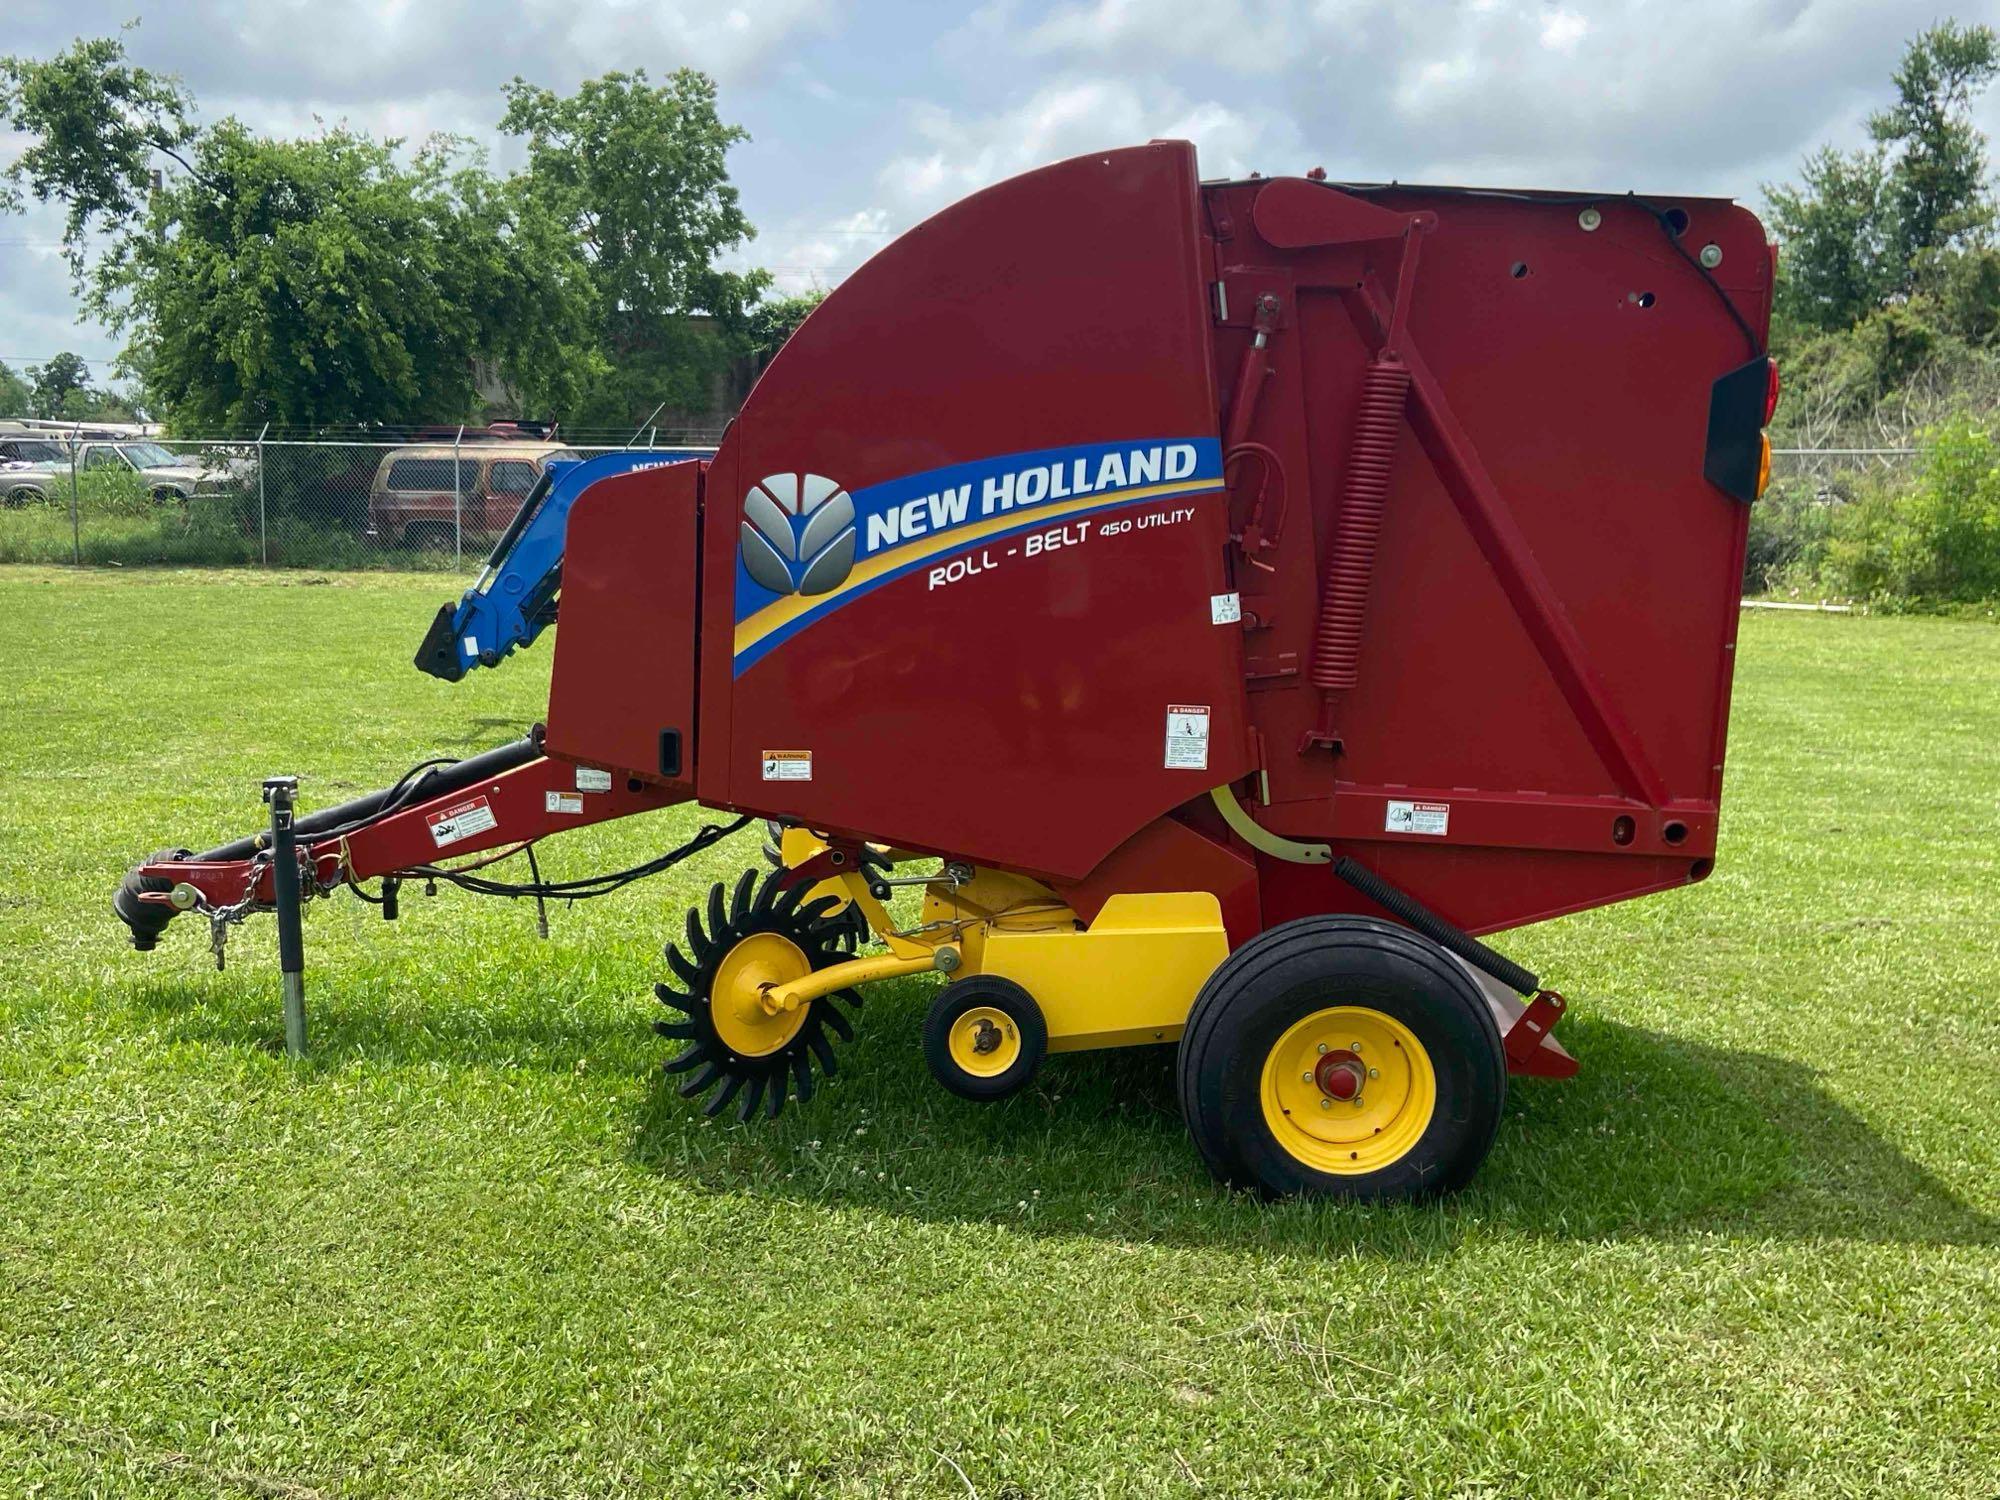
[798,533]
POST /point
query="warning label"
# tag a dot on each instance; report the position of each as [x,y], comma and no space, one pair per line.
[1225,609]
[1418,817]
[564,802]
[461,821]
[1187,736]
[788,765]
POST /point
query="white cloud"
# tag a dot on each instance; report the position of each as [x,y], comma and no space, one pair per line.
[37,315]
[867,117]
[345,52]
[1231,35]
[1704,95]
[804,256]
[1563,29]
[962,152]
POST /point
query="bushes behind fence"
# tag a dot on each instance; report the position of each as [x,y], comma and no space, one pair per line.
[1927,541]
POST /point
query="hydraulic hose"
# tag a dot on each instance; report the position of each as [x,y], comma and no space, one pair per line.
[434,782]
[1408,909]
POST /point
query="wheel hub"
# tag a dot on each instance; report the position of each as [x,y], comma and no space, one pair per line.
[746,974]
[1348,1090]
[984,1041]
[1340,1076]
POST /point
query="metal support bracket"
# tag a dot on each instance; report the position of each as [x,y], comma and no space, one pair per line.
[1530,1042]
[1261,838]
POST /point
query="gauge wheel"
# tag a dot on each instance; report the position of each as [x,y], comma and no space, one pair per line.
[984,1037]
[766,933]
[1342,1057]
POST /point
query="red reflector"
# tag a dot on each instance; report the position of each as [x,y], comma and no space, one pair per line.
[1771,393]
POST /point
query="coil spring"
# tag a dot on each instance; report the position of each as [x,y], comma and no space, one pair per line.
[1343,604]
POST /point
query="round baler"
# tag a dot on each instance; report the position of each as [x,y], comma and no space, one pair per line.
[1222,604]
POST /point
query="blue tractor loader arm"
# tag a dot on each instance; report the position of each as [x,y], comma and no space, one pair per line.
[514,598]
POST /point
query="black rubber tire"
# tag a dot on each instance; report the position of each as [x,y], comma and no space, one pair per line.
[1285,974]
[1002,995]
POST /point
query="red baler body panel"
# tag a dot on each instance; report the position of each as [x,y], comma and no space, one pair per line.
[1054,321]
[623,689]
[990,669]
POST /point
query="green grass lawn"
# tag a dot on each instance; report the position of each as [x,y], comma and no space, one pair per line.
[476,1247]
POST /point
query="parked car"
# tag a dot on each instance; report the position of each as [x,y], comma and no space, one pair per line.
[16,448]
[168,475]
[35,480]
[413,500]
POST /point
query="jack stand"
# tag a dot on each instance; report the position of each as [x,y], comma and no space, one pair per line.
[279,791]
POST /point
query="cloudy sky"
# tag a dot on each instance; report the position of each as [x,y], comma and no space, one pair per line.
[866,116]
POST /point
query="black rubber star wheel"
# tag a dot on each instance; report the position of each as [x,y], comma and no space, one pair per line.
[762,935]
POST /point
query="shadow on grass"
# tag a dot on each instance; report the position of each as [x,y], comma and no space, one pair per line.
[349,1029]
[1657,1137]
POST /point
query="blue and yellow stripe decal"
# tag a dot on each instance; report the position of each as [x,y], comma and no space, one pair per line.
[909,523]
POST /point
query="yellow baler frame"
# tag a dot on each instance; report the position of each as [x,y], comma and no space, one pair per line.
[1127,978]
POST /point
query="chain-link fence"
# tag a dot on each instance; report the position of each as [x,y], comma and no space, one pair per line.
[292,504]
[1837,470]
[322,503]
[1793,524]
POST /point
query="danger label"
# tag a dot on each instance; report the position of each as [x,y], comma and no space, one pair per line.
[1433,818]
[1187,736]
[461,821]
[788,765]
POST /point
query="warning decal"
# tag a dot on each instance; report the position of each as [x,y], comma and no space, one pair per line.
[1433,818]
[461,821]
[788,765]
[1187,736]
[563,802]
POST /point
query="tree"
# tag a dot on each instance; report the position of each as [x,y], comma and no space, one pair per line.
[1871,226]
[638,175]
[94,124]
[55,382]
[303,283]
[1938,175]
[315,282]
[774,320]
[1837,231]
[14,395]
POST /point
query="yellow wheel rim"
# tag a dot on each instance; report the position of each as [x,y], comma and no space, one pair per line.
[736,999]
[1348,1090]
[985,1042]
